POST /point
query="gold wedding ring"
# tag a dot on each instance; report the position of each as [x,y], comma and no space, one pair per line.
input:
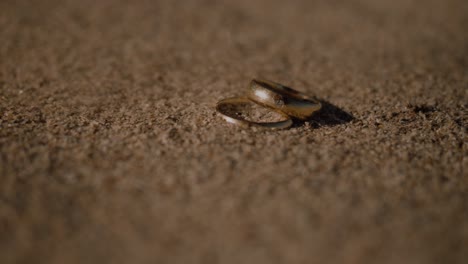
[282,98]
[231,118]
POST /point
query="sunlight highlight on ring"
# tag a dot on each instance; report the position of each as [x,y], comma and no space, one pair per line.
[262,94]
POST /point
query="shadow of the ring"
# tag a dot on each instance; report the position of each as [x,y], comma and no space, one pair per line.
[328,115]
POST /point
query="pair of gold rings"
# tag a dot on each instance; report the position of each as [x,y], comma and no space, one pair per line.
[289,103]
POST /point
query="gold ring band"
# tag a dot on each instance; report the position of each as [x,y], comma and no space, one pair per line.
[283,98]
[287,122]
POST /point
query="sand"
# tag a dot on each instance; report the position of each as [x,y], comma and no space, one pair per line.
[111,150]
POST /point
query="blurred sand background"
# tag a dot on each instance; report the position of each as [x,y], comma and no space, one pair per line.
[111,151]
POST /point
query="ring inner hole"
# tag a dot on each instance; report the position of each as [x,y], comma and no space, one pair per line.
[252,112]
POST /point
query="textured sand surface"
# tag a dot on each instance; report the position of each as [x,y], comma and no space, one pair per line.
[111,151]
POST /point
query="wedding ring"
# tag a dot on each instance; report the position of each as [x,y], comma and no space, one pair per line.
[285,99]
[232,118]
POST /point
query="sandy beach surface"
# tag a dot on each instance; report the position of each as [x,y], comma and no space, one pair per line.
[111,150]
